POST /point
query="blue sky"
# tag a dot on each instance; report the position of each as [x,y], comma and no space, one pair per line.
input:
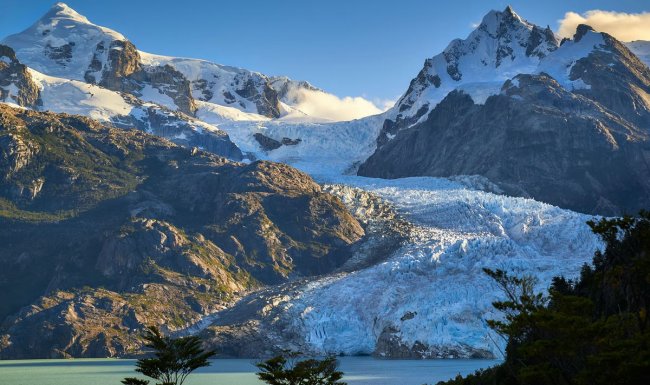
[349,48]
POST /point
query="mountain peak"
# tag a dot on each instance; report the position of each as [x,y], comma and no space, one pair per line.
[63,11]
[509,11]
[494,20]
[581,31]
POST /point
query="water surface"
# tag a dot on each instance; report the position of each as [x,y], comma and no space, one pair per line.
[358,371]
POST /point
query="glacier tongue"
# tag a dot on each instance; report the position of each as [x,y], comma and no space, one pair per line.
[433,291]
[430,298]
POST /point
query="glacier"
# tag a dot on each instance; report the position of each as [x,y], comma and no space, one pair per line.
[431,292]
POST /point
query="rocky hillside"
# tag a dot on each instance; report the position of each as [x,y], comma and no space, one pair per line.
[106,230]
[574,134]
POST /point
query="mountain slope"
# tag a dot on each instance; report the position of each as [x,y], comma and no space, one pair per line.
[67,45]
[108,227]
[573,133]
[503,45]
[29,88]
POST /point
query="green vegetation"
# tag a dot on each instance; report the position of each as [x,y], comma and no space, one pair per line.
[79,168]
[9,210]
[286,370]
[174,359]
[591,331]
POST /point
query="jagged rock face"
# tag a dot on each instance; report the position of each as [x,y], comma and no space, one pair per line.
[263,95]
[536,139]
[223,85]
[117,63]
[617,79]
[501,45]
[390,345]
[16,84]
[171,234]
[119,68]
[17,151]
[170,82]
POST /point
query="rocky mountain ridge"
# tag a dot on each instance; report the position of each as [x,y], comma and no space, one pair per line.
[31,89]
[67,45]
[574,132]
[502,45]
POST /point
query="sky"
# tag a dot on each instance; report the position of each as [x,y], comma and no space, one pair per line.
[370,49]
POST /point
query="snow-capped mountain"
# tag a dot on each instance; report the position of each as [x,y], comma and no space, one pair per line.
[503,45]
[67,45]
[574,132]
[26,87]
[63,43]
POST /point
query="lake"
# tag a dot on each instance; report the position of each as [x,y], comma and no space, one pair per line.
[358,371]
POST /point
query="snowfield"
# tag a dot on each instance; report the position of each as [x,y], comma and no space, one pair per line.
[324,148]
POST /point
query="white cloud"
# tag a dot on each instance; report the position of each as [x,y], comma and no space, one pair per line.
[330,107]
[384,104]
[623,26]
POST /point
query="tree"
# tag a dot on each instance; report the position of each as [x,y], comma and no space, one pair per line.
[521,302]
[284,370]
[174,358]
[591,331]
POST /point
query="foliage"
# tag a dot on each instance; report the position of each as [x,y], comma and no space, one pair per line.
[134,381]
[285,370]
[592,331]
[174,358]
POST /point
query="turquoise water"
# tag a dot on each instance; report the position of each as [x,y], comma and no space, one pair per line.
[358,371]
